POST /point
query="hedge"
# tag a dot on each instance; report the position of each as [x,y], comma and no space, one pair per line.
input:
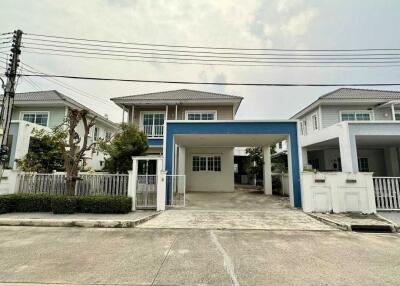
[64,204]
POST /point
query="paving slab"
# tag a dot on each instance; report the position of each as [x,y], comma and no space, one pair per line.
[131,219]
[284,219]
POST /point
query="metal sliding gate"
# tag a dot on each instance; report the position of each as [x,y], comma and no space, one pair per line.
[146,192]
[387,193]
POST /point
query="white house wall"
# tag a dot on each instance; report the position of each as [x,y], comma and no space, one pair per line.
[208,181]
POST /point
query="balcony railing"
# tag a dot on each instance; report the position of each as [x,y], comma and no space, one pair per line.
[153,131]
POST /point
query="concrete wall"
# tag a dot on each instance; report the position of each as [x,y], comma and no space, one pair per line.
[209,181]
[223,112]
[337,192]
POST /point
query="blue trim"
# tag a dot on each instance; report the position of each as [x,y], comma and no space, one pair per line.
[284,128]
[155,142]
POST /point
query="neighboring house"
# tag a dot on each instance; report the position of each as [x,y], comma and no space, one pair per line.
[352,130]
[46,110]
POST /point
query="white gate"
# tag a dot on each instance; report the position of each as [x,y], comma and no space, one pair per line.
[387,193]
[176,186]
[146,191]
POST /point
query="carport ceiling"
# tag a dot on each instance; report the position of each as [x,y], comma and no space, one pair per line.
[229,140]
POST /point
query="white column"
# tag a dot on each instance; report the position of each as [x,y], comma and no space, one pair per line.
[304,158]
[290,171]
[348,151]
[267,170]
[132,183]
[123,114]
[176,111]
[181,180]
[133,114]
[393,112]
[161,185]
[166,112]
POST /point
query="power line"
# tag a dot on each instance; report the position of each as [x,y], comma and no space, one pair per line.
[332,61]
[154,55]
[210,83]
[124,48]
[207,64]
[208,47]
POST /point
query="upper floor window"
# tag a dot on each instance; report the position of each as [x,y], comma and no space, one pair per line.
[108,135]
[314,119]
[40,118]
[201,115]
[355,115]
[152,123]
[96,133]
[303,127]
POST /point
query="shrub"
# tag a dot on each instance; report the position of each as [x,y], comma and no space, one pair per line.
[31,203]
[104,204]
[63,204]
[6,203]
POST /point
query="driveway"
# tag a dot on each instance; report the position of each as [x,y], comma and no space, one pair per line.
[77,256]
[243,209]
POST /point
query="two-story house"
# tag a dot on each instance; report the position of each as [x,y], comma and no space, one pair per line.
[150,111]
[46,110]
[352,130]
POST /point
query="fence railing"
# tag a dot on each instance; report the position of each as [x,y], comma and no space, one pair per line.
[387,193]
[153,130]
[87,185]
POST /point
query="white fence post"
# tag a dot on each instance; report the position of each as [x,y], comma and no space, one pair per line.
[161,187]
[132,188]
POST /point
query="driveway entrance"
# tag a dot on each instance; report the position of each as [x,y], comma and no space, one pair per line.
[243,209]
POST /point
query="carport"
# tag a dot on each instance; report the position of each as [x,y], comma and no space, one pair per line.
[185,139]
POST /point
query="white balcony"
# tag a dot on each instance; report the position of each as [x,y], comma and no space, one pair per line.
[153,131]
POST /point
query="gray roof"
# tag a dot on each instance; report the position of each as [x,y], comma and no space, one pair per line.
[54,96]
[352,93]
[177,95]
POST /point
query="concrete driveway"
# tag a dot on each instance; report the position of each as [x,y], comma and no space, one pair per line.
[243,209]
[37,256]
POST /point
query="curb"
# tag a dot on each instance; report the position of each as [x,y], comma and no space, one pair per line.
[77,222]
[395,226]
[341,226]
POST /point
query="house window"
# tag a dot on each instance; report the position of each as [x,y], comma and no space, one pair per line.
[40,118]
[314,163]
[153,124]
[210,163]
[397,115]
[96,133]
[363,165]
[303,127]
[314,119]
[355,116]
[280,145]
[108,135]
[200,115]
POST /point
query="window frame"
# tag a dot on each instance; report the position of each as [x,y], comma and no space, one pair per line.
[22,113]
[142,113]
[205,164]
[396,112]
[359,164]
[214,112]
[355,112]
[303,127]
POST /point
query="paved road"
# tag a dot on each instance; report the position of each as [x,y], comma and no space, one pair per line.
[196,257]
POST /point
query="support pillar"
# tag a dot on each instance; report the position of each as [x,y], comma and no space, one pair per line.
[180,180]
[132,183]
[348,151]
[304,158]
[267,170]
[161,185]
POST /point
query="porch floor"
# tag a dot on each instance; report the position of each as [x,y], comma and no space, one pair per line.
[246,209]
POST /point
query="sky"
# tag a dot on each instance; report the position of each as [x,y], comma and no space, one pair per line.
[285,24]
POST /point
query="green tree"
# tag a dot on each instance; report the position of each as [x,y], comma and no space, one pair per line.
[125,144]
[256,159]
[44,153]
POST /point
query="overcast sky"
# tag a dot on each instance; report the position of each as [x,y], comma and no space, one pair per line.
[284,24]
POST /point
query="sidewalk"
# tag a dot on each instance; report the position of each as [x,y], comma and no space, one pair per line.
[79,219]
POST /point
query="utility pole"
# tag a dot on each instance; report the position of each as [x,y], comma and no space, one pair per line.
[8,97]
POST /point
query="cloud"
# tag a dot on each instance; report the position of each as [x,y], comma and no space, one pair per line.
[299,24]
